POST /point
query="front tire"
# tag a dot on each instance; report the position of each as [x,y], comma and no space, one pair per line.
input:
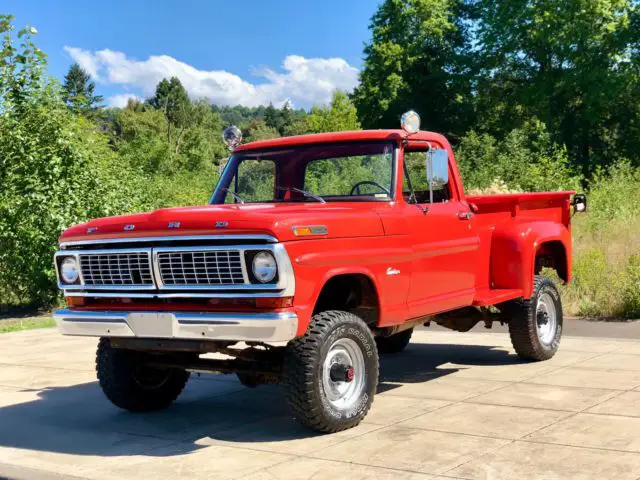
[331,373]
[535,325]
[130,384]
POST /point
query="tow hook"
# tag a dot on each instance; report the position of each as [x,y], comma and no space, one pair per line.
[341,373]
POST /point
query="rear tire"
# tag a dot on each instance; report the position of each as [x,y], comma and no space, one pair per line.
[130,384]
[331,373]
[535,325]
[394,343]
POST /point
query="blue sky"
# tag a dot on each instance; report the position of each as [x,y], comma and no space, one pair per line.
[249,52]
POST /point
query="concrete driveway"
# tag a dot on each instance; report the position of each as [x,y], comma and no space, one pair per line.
[452,405]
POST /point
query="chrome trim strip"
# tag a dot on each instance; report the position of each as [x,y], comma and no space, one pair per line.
[239,294]
[176,238]
[267,327]
[245,272]
[231,318]
[91,286]
[102,251]
[69,315]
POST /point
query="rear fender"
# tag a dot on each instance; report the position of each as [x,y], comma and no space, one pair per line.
[514,248]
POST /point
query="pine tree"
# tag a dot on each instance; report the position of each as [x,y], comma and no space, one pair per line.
[171,97]
[173,100]
[287,117]
[272,117]
[79,91]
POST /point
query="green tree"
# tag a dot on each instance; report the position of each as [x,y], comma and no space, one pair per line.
[239,115]
[341,115]
[259,130]
[56,169]
[79,91]
[202,145]
[287,118]
[574,64]
[418,58]
[273,118]
[192,128]
[172,99]
[139,136]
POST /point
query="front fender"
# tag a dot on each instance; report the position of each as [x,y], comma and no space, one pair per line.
[315,262]
[513,252]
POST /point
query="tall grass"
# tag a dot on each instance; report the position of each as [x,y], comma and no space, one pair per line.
[606,248]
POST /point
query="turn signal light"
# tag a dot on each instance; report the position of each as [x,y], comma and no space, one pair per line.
[277,302]
[310,230]
[75,301]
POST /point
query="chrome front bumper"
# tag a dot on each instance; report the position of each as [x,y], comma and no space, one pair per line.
[257,327]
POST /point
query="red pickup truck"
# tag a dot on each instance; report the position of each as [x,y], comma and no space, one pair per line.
[315,254]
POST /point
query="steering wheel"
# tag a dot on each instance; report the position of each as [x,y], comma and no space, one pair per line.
[356,187]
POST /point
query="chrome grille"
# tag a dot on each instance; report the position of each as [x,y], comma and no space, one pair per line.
[117,268]
[212,267]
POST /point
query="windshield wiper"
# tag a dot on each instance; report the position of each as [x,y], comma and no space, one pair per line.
[303,192]
[233,194]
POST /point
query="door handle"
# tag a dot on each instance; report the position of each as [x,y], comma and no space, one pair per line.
[465,215]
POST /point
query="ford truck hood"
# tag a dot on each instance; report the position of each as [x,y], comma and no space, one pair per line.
[341,219]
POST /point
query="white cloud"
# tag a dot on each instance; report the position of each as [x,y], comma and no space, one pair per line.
[121,100]
[305,81]
[85,59]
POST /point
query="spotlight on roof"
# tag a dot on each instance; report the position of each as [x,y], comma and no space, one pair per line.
[232,136]
[410,122]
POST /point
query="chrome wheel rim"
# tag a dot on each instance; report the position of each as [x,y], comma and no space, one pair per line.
[343,374]
[546,319]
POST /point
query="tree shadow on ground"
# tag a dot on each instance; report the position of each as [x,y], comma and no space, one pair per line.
[79,420]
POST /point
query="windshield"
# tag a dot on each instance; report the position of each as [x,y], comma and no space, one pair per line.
[345,172]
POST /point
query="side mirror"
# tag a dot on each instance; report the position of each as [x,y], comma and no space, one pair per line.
[580,202]
[437,168]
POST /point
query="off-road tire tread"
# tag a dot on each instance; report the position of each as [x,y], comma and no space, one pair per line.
[299,380]
[522,325]
[114,367]
[394,343]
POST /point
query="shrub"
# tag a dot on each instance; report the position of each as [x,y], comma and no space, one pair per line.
[56,170]
[183,188]
[631,288]
[606,248]
[527,159]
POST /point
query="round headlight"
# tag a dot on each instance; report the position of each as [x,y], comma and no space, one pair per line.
[69,270]
[264,267]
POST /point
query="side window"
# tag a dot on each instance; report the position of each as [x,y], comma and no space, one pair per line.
[416,176]
[350,176]
[254,181]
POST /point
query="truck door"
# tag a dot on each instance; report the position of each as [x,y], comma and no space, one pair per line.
[442,230]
